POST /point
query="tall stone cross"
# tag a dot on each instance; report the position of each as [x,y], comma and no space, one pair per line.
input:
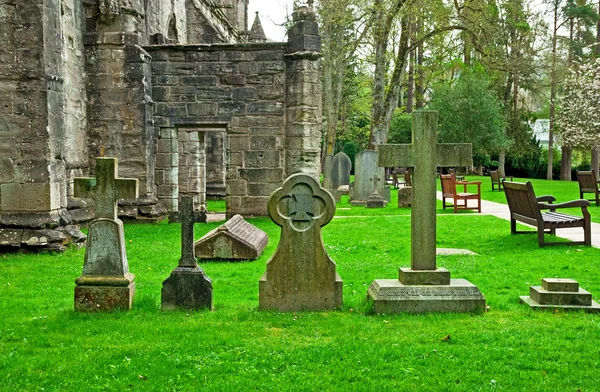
[187,217]
[106,188]
[425,155]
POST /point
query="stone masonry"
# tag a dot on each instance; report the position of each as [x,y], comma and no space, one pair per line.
[180,91]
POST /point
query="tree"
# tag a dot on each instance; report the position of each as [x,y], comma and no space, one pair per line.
[579,117]
[470,112]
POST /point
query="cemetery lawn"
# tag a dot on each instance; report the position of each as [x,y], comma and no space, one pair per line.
[45,345]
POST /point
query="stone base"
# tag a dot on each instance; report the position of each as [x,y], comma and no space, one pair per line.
[533,304]
[391,296]
[103,298]
[268,300]
[358,203]
[376,201]
[187,288]
[411,277]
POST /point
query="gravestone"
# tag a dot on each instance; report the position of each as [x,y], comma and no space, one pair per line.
[300,275]
[375,200]
[236,239]
[328,184]
[341,165]
[327,166]
[425,288]
[558,293]
[404,196]
[366,168]
[106,282]
[187,287]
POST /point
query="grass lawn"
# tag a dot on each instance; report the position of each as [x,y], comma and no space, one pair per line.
[44,345]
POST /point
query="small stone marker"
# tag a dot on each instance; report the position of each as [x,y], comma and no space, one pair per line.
[187,287]
[404,196]
[424,288]
[341,165]
[106,282]
[557,293]
[236,239]
[375,200]
[366,168]
[300,275]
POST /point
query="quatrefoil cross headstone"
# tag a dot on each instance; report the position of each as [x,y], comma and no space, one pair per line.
[300,275]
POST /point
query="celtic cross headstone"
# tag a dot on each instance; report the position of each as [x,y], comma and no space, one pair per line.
[300,275]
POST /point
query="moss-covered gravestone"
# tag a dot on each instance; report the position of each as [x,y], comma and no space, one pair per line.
[106,282]
[187,287]
[423,287]
[300,275]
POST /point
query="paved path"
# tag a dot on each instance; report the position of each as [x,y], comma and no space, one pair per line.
[574,234]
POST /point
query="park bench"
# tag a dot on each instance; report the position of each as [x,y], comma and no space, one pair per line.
[588,183]
[449,185]
[525,207]
[497,179]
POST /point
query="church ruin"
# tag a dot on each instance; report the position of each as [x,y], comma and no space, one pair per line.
[189,97]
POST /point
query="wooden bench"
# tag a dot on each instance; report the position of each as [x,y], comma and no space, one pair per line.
[497,179]
[449,184]
[525,207]
[588,183]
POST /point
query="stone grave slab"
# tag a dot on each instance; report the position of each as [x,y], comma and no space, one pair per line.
[560,293]
[440,293]
[300,275]
[328,184]
[106,282]
[375,200]
[454,251]
[366,168]
[341,166]
[187,287]
[236,239]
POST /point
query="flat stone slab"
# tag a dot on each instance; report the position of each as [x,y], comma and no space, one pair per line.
[453,251]
[460,296]
[533,304]
[545,297]
[236,239]
[560,284]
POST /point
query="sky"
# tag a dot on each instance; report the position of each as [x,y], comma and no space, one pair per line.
[272,14]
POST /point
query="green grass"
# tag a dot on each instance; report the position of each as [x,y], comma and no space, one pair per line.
[44,345]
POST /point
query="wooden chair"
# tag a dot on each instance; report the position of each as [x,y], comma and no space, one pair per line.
[527,208]
[588,183]
[407,178]
[449,185]
[497,179]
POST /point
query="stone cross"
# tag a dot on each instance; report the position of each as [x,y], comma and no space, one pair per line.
[187,217]
[425,155]
[106,188]
[375,180]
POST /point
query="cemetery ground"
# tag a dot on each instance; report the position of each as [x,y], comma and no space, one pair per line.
[45,345]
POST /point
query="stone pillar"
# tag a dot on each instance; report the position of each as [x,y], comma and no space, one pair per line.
[167,168]
[303,100]
[215,164]
[33,187]
[192,164]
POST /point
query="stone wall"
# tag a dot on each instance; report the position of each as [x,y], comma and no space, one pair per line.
[237,88]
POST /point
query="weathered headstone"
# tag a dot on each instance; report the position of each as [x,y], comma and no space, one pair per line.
[558,293]
[300,275]
[375,200]
[367,167]
[187,287]
[341,165]
[236,239]
[328,184]
[404,196]
[424,287]
[327,166]
[106,282]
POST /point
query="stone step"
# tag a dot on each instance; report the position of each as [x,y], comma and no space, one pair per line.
[560,284]
[545,297]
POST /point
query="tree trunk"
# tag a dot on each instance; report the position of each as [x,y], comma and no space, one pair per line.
[410,84]
[552,92]
[565,163]
[595,161]
[420,82]
[502,162]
